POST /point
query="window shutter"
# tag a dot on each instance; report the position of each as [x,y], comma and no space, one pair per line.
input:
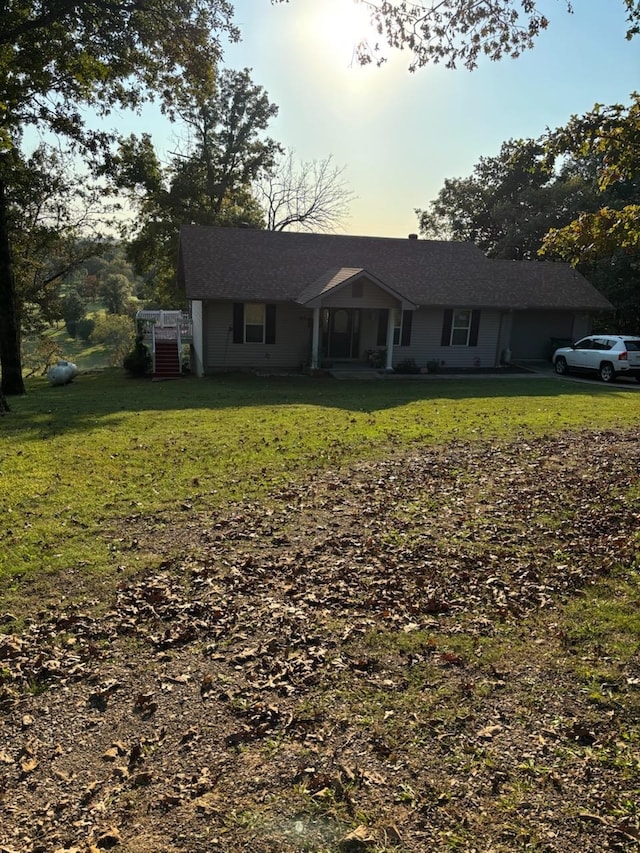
[270,324]
[447,322]
[407,320]
[475,325]
[238,323]
[383,320]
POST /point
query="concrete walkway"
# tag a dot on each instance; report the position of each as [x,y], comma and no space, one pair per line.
[361,372]
[528,370]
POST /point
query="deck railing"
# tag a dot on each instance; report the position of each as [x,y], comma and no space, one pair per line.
[168,325]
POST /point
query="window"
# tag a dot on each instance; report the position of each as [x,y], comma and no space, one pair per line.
[254,323]
[402,323]
[460,327]
[397,326]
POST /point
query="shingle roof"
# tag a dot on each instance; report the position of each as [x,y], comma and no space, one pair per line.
[328,281]
[247,265]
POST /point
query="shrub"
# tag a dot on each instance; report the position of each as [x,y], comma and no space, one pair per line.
[84,328]
[74,309]
[138,362]
[407,366]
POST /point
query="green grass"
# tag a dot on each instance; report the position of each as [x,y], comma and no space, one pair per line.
[76,461]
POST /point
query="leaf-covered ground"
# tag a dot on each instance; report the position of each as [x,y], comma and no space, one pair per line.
[382,658]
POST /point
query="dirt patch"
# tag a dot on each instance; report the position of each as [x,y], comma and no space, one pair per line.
[371,660]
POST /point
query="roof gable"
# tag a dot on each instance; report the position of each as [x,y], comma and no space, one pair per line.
[334,280]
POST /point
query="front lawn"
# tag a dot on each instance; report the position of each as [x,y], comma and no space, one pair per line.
[294,615]
[77,461]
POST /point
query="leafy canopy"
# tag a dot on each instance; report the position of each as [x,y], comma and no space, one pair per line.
[510,201]
[611,135]
[59,55]
[461,32]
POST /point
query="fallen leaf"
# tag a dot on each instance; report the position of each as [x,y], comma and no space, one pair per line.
[451,659]
[28,765]
[110,754]
[360,835]
[489,732]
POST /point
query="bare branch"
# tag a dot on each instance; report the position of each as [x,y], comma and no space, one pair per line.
[305,196]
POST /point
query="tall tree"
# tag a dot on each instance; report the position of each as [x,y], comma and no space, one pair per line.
[573,195]
[309,196]
[208,183]
[115,290]
[61,55]
[228,150]
[510,201]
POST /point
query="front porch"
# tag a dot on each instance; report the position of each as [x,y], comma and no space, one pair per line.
[358,338]
[356,317]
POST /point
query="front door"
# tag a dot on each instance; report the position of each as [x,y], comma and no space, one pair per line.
[342,328]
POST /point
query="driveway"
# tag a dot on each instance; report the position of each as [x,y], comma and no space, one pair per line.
[545,368]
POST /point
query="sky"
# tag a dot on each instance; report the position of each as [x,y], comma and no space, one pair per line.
[399,135]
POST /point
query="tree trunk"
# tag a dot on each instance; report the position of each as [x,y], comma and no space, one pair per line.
[10,362]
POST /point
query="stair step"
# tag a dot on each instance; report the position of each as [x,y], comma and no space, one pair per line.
[167,361]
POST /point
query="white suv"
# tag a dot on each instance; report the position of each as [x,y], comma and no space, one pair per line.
[609,356]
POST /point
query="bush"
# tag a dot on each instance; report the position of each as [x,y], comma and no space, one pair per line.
[84,329]
[138,362]
[74,309]
[407,366]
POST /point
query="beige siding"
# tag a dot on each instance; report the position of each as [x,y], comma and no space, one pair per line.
[530,334]
[426,335]
[291,350]
[372,297]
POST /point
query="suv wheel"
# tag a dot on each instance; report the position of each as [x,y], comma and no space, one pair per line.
[561,365]
[607,373]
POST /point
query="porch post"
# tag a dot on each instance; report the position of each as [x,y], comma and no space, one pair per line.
[390,325]
[315,342]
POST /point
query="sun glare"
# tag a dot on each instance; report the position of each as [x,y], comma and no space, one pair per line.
[340,26]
